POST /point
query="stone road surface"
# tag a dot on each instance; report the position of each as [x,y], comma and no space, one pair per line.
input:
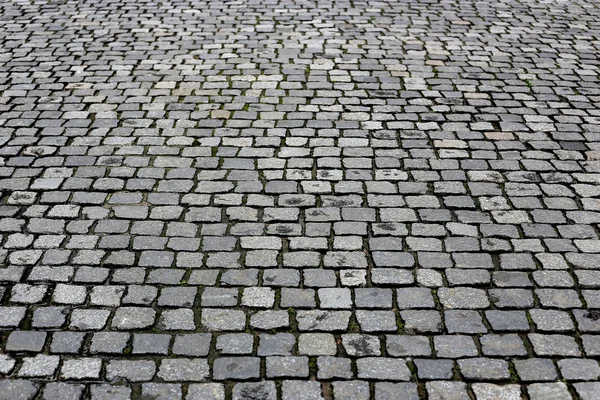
[299,200]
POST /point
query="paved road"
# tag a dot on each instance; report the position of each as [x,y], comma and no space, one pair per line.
[299,200]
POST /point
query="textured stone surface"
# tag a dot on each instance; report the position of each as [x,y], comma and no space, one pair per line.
[299,200]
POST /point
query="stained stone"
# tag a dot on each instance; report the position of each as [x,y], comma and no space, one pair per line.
[133,371]
[236,368]
[258,390]
[323,320]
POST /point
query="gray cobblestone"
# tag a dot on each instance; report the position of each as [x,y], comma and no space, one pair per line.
[269,199]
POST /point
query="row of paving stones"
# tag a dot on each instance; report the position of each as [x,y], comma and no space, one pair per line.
[306,267]
[428,251]
[557,292]
[350,200]
[303,344]
[436,232]
[277,367]
[298,390]
[435,271]
[314,352]
[479,182]
[419,320]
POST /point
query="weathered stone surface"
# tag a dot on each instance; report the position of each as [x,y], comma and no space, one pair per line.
[299,200]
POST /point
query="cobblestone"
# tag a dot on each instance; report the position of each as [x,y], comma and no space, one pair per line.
[299,200]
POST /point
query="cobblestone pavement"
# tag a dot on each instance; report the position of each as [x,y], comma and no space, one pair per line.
[299,200]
